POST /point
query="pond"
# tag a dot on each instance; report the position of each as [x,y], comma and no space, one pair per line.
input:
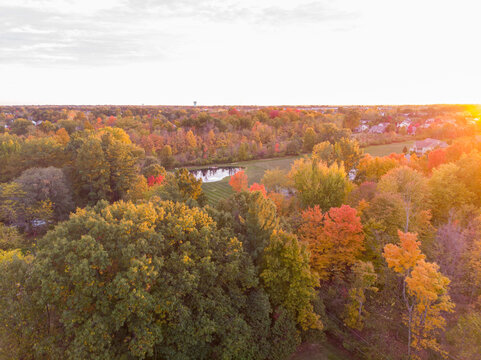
[214,173]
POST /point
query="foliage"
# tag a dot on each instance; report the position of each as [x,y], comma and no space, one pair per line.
[363,278]
[318,184]
[288,280]
[466,335]
[424,292]
[334,239]
[258,187]
[345,152]
[105,167]
[410,186]
[447,191]
[238,181]
[275,179]
[373,168]
[19,331]
[47,184]
[125,280]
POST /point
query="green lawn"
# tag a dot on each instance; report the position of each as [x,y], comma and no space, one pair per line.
[383,150]
[255,169]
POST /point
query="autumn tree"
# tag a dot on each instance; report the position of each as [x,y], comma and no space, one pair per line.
[470,174]
[275,179]
[318,184]
[21,126]
[238,181]
[105,165]
[447,191]
[345,152]
[129,281]
[310,139]
[410,186]
[373,168]
[351,120]
[16,209]
[166,158]
[10,238]
[424,292]
[180,186]
[258,187]
[334,239]
[22,321]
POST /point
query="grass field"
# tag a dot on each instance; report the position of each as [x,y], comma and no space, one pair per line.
[382,150]
[255,169]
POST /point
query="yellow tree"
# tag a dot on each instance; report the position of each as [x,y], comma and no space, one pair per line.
[429,289]
[424,291]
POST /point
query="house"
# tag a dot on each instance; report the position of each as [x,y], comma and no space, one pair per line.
[379,129]
[426,145]
[412,129]
[404,124]
[361,128]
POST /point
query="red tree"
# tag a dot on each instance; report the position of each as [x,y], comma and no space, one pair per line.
[155,180]
[238,181]
[335,239]
[435,158]
[258,187]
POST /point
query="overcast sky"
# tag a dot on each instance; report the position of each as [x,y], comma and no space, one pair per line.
[264,52]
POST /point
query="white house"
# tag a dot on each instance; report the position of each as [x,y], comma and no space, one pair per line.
[379,129]
[404,124]
[423,146]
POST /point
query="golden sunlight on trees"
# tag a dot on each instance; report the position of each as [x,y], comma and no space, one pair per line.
[424,292]
[334,239]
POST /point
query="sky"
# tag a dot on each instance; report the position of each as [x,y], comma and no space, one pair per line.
[249,52]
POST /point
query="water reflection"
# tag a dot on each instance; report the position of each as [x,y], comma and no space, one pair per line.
[212,174]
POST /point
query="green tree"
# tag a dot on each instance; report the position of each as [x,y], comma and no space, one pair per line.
[351,120]
[166,158]
[47,184]
[10,238]
[288,280]
[22,324]
[132,281]
[363,279]
[252,218]
[466,335]
[92,172]
[310,139]
[447,191]
[410,186]
[21,126]
[105,165]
